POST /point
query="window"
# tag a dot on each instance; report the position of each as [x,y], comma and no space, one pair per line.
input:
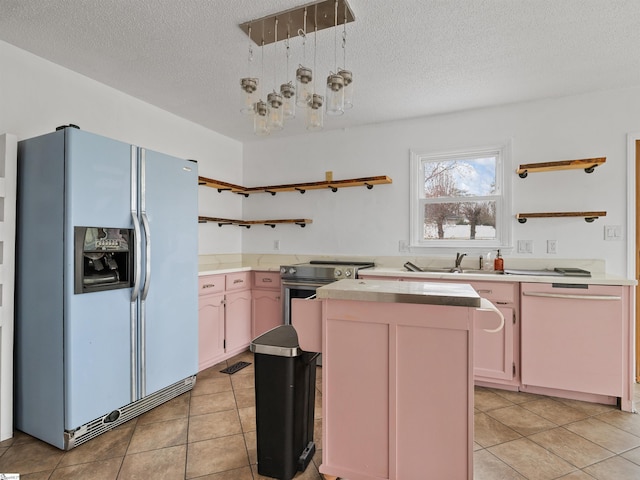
[460,199]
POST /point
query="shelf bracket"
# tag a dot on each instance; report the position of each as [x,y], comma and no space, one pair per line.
[301,190]
[523,174]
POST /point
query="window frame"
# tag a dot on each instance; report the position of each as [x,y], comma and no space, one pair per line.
[503,199]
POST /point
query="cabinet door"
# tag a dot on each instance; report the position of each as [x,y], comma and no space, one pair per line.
[210,330]
[238,320]
[493,352]
[267,311]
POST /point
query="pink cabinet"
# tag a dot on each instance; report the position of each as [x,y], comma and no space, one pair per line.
[210,330]
[496,355]
[573,339]
[224,317]
[266,302]
[396,377]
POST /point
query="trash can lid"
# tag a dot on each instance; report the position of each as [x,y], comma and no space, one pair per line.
[281,341]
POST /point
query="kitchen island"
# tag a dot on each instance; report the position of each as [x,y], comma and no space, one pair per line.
[397,379]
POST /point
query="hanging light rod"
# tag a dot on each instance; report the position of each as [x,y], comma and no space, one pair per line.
[261,31]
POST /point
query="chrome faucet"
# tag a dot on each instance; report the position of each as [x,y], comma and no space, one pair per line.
[459,257]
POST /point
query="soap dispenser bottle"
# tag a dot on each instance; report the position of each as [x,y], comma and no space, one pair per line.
[498,263]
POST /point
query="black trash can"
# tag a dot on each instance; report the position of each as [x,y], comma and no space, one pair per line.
[285,379]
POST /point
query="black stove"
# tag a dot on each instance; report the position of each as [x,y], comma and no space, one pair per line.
[323,270]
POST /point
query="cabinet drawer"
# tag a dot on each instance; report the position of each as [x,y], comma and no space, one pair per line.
[499,292]
[266,280]
[210,284]
[237,281]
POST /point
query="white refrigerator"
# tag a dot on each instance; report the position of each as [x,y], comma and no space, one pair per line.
[106,284]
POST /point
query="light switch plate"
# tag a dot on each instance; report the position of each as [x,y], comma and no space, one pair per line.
[525,246]
[613,232]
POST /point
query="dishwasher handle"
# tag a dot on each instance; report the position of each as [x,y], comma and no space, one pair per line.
[571,296]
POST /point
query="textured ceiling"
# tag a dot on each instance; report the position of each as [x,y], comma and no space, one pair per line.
[409,57]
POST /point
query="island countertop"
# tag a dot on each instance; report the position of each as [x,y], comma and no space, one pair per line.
[389,291]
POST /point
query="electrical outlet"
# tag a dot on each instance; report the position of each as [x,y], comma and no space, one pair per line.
[525,246]
[552,246]
[276,245]
[403,246]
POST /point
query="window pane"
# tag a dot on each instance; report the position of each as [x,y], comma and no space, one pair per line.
[460,221]
[460,177]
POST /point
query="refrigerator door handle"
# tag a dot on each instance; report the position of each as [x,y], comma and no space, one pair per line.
[137,254]
[147,238]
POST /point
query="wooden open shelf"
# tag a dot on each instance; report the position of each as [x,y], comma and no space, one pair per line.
[334,185]
[588,216]
[247,223]
[587,164]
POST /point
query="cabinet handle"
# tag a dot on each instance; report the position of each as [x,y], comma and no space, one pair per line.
[208,285]
[238,280]
[267,280]
[484,291]
[574,297]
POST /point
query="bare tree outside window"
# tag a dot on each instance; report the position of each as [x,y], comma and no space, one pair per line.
[459,201]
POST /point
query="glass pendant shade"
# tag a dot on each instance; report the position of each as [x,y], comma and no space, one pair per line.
[315,113]
[288,92]
[275,120]
[304,86]
[261,119]
[348,88]
[335,95]
[249,88]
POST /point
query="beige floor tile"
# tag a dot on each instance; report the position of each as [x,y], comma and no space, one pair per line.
[37,476]
[214,371]
[554,411]
[571,447]
[605,435]
[521,420]
[247,418]
[166,463]
[251,442]
[101,470]
[516,397]
[214,425]
[212,385]
[485,400]
[629,422]
[310,473]
[243,473]
[240,382]
[578,475]
[214,402]
[486,466]
[531,460]
[30,457]
[633,455]
[174,408]
[216,455]
[245,397]
[159,435]
[488,431]
[108,445]
[615,468]
[587,407]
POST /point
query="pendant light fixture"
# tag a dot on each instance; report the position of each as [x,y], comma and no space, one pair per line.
[274,100]
[269,115]
[249,84]
[304,75]
[335,82]
[315,112]
[287,90]
[261,115]
[344,73]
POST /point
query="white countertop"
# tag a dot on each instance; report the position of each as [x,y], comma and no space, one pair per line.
[454,294]
[595,279]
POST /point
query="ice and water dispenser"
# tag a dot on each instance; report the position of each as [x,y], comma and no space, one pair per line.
[103,259]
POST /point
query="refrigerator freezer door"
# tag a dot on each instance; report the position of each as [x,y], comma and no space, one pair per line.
[96,325]
[169,186]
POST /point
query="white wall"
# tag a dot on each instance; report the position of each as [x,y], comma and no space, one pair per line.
[36,96]
[357,221]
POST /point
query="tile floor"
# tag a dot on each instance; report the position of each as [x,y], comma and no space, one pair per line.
[209,434]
